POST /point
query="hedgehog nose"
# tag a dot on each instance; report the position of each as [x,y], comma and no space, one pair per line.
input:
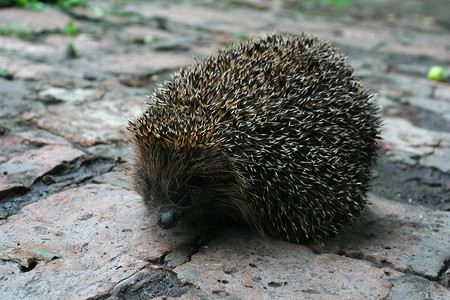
[168,220]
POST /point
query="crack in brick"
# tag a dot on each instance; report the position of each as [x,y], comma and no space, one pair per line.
[382,262]
[79,172]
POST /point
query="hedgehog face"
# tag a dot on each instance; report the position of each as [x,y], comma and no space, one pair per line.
[175,197]
[183,184]
[180,199]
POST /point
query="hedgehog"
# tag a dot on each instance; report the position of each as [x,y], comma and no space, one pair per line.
[275,132]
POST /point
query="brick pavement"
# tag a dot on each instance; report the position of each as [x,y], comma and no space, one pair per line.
[70,224]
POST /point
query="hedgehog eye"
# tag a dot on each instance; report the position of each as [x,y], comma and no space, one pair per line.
[194,181]
[194,184]
[180,199]
[185,201]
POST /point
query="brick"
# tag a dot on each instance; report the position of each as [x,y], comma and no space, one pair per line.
[407,238]
[102,235]
[11,146]
[365,36]
[423,45]
[440,160]
[74,96]
[206,18]
[22,170]
[20,46]
[141,63]
[139,33]
[90,124]
[242,264]
[32,20]
[401,134]
[82,43]
[26,70]
[390,240]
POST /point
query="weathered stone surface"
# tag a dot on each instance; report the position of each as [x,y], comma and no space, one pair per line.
[74,96]
[84,44]
[19,46]
[119,178]
[22,170]
[441,91]
[384,102]
[400,134]
[18,144]
[93,123]
[242,264]
[407,238]
[439,160]
[148,284]
[13,100]
[202,17]
[419,92]
[53,45]
[111,151]
[364,36]
[102,234]
[142,63]
[97,12]
[414,287]
[32,20]
[401,156]
[178,257]
[431,45]
[24,69]
[10,146]
[420,100]
[208,49]
[140,33]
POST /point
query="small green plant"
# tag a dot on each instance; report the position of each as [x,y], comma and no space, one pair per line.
[38,5]
[31,4]
[70,29]
[118,12]
[4,73]
[334,3]
[25,33]
[391,53]
[148,39]
[21,32]
[70,3]
[5,31]
[224,2]
[380,13]
[71,52]
[334,7]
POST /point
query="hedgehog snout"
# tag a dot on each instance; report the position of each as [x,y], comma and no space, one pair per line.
[168,219]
